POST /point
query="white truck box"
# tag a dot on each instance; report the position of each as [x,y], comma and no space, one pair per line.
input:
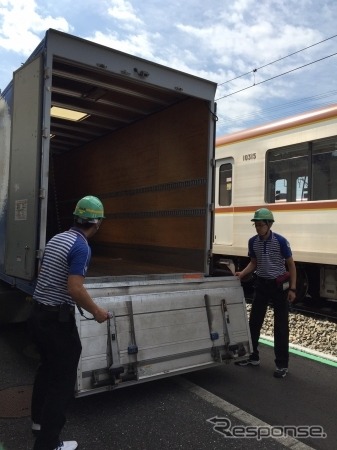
[145,146]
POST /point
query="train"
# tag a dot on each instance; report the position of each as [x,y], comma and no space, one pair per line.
[290,167]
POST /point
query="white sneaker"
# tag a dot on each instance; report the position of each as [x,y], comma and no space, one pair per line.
[67,445]
[36,426]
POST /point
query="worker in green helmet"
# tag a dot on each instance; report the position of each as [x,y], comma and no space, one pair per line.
[271,260]
[59,289]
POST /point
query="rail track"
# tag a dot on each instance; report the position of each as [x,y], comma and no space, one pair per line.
[320,308]
[309,328]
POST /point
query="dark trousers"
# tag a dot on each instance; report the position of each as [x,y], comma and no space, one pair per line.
[266,292]
[59,346]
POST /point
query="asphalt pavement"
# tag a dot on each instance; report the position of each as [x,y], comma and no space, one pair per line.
[225,407]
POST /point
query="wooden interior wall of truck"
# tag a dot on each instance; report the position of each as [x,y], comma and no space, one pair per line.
[152,178]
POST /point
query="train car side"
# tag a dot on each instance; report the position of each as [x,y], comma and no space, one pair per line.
[289,166]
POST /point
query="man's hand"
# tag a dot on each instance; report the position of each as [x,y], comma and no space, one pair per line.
[291,296]
[81,296]
[101,315]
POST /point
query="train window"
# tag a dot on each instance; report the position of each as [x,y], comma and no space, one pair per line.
[302,187]
[281,190]
[225,184]
[324,169]
[301,172]
[287,173]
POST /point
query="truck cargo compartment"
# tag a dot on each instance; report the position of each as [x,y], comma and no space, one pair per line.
[153,186]
[144,146]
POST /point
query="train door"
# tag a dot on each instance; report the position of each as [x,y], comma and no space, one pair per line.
[223,226]
[23,202]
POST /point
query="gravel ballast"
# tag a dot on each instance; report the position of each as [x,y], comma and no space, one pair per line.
[319,335]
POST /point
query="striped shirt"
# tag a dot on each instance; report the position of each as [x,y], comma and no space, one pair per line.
[270,254]
[67,253]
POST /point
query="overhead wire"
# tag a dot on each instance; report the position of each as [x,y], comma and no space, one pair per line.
[275,111]
[227,125]
[283,106]
[276,76]
[277,60]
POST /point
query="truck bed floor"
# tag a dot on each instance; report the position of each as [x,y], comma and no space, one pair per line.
[108,266]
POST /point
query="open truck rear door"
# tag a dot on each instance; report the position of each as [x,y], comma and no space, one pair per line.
[23,204]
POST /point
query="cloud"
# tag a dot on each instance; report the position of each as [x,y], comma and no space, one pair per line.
[22,25]
[249,46]
[218,40]
[136,44]
[123,11]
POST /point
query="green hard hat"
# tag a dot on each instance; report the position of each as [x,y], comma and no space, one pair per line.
[263,214]
[89,208]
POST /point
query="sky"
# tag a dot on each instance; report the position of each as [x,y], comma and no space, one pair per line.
[270,58]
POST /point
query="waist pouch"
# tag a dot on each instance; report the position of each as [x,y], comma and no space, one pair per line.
[282,281]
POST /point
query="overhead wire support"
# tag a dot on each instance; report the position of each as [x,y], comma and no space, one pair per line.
[276,76]
[277,60]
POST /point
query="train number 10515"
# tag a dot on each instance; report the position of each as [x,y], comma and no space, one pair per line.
[249,156]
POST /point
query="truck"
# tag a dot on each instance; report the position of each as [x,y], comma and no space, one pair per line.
[80,119]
